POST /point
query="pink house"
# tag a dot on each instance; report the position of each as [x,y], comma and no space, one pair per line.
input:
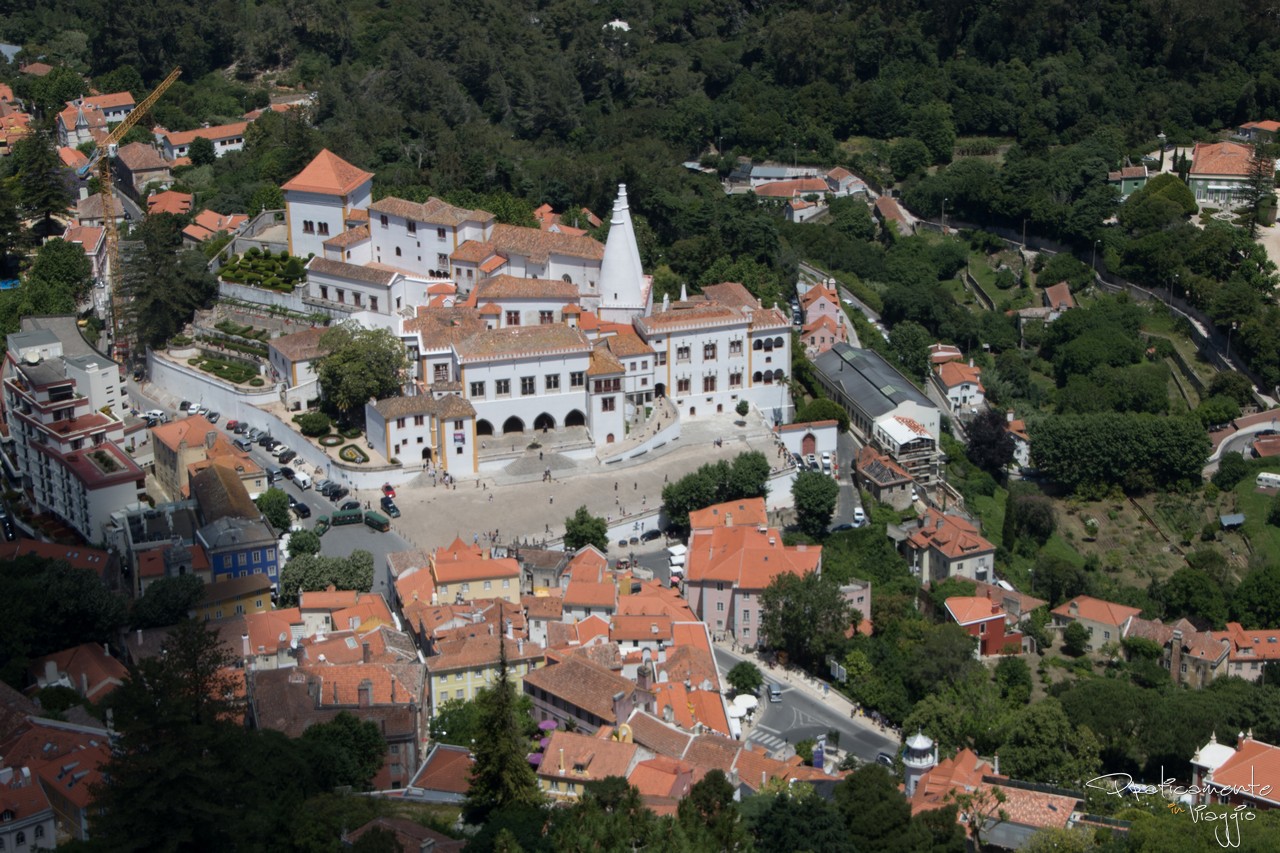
[728,567]
[820,301]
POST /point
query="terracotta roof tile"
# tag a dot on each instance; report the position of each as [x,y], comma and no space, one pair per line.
[511,287]
[746,557]
[433,211]
[350,237]
[481,652]
[222,131]
[1096,610]
[518,341]
[1231,159]
[732,294]
[539,246]
[586,759]
[953,373]
[749,512]
[300,346]
[352,272]
[580,682]
[328,174]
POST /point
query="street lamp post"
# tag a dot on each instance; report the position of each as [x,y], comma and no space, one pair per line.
[1162,139]
[1229,331]
[944,216]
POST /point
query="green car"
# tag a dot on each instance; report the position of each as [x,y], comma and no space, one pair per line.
[322,525]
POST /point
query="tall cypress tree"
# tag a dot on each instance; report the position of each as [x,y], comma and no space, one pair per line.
[40,188]
[502,775]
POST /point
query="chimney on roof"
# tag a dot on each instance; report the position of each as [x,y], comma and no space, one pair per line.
[560,768]
[728,519]
[939,523]
[520,646]
[1175,655]
[393,695]
[1008,416]
[244,643]
[210,439]
[971,362]
[366,653]
[84,684]
[995,765]
[365,692]
[511,631]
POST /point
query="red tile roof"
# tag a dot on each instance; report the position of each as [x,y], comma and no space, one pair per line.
[950,535]
[1059,296]
[1254,763]
[787,189]
[328,174]
[749,512]
[447,769]
[1230,159]
[580,758]
[77,556]
[1096,610]
[170,201]
[971,609]
[953,373]
[580,682]
[92,672]
[746,557]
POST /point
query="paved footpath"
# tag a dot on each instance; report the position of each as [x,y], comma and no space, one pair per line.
[432,515]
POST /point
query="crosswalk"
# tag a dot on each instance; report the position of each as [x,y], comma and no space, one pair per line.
[768,741]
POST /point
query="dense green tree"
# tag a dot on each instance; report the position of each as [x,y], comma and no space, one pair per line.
[1217,410]
[1229,383]
[991,445]
[822,409]
[61,268]
[304,542]
[745,677]
[815,495]
[1044,746]
[876,814]
[710,817]
[746,477]
[313,573]
[274,504]
[160,285]
[582,529]
[1138,452]
[909,343]
[806,617]
[1075,639]
[50,606]
[353,750]
[361,364]
[1193,593]
[41,191]
[1029,518]
[801,823]
[501,776]
[10,226]
[1013,676]
[201,151]
[167,602]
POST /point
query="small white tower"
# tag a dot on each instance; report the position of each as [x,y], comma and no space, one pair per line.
[624,290]
[919,757]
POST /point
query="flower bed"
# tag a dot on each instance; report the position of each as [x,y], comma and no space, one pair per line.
[231,371]
[331,440]
[351,453]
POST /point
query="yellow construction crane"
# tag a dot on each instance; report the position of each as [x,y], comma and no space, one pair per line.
[102,157]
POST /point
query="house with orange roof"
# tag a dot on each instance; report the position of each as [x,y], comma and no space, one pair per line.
[1219,172]
[728,568]
[318,200]
[571,761]
[93,241]
[663,782]
[576,688]
[747,512]
[941,353]
[89,669]
[822,333]
[841,182]
[1058,298]
[88,119]
[101,563]
[463,576]
[568,637]
[181,444]
[208,224]
[1107,621]
[1250,650]
[445,774]
[984,620]
[940,545]
[1192,657]
[15,124]
[821,300]
[225,138]
[654,599]
[1017,428]
[591,590]
[463,667]
[960,384]
[1026,809]
[170,201]
[799,210]
[890,215]
[1258,131]
[793,188]
[1247,775]
[66,761]
[1128,179]
[263,640]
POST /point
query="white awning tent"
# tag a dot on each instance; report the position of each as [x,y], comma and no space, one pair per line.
[677,550]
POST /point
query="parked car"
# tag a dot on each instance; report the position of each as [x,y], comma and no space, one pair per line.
[859,516]
[302,511]
[321,485]
[826,461]
[322,525]
[232,424]
[240,428]
[242,444]
[195,409]
[350,505]
[184,405]
[884,758]
[848,525]
[292,501]
[287,472]
[388,490]
[389,507]
[212,417]
[269,443]
[339,493]
[274,475]
[650,535]
[812,460]
[775,693]
[287,456]
[278,449]
[253,434]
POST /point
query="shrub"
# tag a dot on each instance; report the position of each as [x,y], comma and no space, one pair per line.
[257,382]
[314,424]
[352,453]
[350,432]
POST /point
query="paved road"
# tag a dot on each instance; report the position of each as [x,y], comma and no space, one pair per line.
[804,712]
[849,499]
[869,312]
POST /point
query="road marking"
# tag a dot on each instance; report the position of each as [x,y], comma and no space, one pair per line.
[764,728]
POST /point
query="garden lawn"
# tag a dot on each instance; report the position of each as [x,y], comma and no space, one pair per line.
[1263,537]
[991,511]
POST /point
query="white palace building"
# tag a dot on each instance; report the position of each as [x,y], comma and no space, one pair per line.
[514,331]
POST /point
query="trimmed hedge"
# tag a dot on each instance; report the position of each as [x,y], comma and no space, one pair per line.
[351,453]
[331,440]
[314,424]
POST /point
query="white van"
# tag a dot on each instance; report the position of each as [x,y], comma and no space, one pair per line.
[302,480]
[1268,480]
